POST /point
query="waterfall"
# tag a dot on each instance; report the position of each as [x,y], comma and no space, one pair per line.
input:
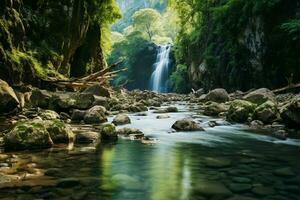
[159,77]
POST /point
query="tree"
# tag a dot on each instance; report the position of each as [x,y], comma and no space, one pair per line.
[146,21]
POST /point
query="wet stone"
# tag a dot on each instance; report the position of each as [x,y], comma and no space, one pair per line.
[162,117]
[217,162]
[238,197]
[68,182]
[241,180]
[240,187]
[284,172]
[263,190]
[214,190]
[53,172]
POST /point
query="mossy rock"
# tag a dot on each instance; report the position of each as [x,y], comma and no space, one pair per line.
[290,113]
[266,112]
[240,111]
[48,115]
[59,131]
[31,134]
[108,132]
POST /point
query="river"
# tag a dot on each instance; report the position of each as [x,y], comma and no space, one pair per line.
[224,162]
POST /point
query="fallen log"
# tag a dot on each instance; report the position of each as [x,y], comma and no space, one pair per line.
[101,77]
[287,88]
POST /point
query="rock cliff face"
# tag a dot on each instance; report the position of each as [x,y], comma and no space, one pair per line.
[243,48]
[42,39]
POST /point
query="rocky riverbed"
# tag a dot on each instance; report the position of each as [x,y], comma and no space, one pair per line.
[143,145]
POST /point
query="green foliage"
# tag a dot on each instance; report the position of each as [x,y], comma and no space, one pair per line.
[41,39]
[129,7]
[146,21]
[292,27]
[134,48]
[179,79]
[244,43]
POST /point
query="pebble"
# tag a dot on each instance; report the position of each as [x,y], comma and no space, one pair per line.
[263,190]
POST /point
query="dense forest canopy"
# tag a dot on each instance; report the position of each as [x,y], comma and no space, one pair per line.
[44,39]
[235,44]
[239,44]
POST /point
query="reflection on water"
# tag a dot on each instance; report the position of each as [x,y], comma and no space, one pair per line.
[222,163]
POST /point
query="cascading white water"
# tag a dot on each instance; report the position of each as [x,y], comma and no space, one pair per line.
[158,82]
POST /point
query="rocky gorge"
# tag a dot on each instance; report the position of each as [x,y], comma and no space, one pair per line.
[77,125]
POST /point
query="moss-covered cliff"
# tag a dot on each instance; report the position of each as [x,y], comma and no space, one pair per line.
[44,39]
[239,44]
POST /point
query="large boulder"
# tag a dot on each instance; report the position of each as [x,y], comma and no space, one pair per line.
[87,137]
[214,109]
[97,90]
[266,112]
[121,119]
[137,107]
[31,134]
[290,113]
[40,98]
[101,101]
[108,132]
[8,98]
[260,96]
[78,115]
[37,134]
[217,95]
[128,131]
[240,111]
[96,114]
[59,131]
[48,114]
[67,101]
[186,125]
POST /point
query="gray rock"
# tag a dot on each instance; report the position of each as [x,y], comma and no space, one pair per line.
[97,90]
[59,131]
[217,95]
[128,131]
[87,137]
[101,101]
[121,119]
[260,96]
[78,115]
[214,109]
[171,109]
[162,116]
[186,125]
[40,98]
[94,115]
[290,113]
[65,101]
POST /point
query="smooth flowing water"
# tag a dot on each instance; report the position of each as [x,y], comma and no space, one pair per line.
[224,162]
[159,77]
